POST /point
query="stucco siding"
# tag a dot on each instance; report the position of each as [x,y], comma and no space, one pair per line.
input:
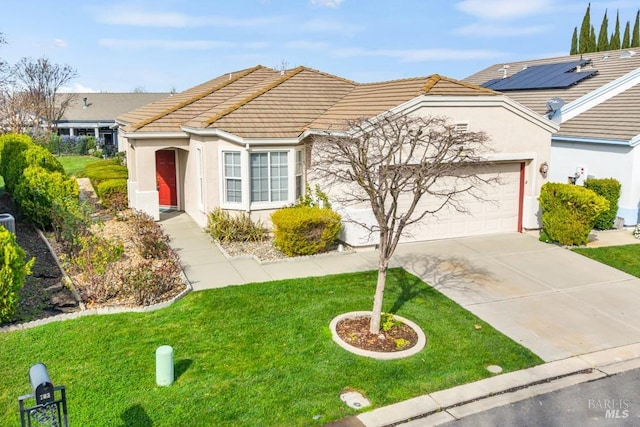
[599,161]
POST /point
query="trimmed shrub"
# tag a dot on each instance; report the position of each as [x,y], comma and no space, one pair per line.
[113,193]
[609,188]
[39,189]
[12,158]
[225,227]
[13,269]
[304,230]
[569,212]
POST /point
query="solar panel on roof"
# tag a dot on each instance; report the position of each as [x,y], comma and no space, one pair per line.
[546,76]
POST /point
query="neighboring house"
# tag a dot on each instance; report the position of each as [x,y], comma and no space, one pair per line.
[595,98]
[241,142]
[94,114]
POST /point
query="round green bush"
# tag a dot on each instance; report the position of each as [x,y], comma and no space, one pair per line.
[13,269]
[305,230]
[569,212]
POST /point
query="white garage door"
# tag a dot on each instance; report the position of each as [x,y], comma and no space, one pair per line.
[498,213]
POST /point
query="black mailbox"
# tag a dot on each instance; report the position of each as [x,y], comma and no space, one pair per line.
[41,384]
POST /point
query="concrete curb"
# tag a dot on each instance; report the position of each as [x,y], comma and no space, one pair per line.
[451,404]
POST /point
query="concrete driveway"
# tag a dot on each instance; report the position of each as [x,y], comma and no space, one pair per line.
[551,300]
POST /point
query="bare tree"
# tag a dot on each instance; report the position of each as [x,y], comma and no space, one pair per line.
[16,111]
[42,80]
[396,161]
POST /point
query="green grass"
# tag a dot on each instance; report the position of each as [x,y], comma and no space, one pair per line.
[75,164]
[254,355]
[625,258]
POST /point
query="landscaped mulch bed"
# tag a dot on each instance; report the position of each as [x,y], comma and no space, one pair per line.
[44,293]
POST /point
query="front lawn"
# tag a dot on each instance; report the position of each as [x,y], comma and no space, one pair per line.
[74,164]
[625,258]
[254,355]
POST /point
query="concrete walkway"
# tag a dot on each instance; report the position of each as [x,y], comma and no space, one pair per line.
[559,304]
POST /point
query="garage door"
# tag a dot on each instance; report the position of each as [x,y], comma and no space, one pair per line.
[500,212]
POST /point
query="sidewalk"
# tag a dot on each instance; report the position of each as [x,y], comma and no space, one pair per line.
[206,267]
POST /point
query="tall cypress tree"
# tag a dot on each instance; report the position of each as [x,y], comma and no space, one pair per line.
[635,39]
[585,31]
[574,42]
[626,39]
[614,43]
[592,41]
[603,35]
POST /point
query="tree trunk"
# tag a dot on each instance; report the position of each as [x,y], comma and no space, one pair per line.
[376,314]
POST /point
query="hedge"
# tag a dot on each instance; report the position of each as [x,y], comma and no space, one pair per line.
[569,212]
[305,230]
[609,188]
[38,191]
[14,267]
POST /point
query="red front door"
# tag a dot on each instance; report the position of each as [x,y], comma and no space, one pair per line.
[166,177]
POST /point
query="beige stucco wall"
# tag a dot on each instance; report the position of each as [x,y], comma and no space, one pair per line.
[515,135]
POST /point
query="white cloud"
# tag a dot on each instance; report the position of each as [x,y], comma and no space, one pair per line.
[479,30]
[144,18]
[503,9]
[327,3]
[77,88]
[178,44]
[60,43]
[421,55]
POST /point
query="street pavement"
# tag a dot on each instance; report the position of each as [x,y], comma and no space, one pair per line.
[607,402]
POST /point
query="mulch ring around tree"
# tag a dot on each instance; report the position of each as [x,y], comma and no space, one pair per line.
[355,332]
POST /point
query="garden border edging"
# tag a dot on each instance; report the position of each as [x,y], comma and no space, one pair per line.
[422,339]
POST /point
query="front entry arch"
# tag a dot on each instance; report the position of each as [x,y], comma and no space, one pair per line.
[166,181]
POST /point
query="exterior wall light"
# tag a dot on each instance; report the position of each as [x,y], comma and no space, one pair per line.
[544,168]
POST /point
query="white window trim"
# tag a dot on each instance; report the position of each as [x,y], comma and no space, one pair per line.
[245,174]
[222,179]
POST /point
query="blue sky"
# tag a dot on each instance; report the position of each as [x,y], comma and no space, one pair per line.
[163,44]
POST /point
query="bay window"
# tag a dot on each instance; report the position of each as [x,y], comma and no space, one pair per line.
[265,177]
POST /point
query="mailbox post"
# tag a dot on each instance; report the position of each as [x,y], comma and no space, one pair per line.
[49,410]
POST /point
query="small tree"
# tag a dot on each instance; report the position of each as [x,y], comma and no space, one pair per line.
[42,80]
[614,42]
[574,42]
[635,37]
[584,41]
[603,34]
[396,161]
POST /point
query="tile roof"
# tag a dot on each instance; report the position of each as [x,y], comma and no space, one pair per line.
[369,100]
[103,106]
[615,117]
[260,102]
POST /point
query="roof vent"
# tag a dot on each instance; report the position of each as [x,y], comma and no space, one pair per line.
[85,104]
[503,70]
[627,54]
